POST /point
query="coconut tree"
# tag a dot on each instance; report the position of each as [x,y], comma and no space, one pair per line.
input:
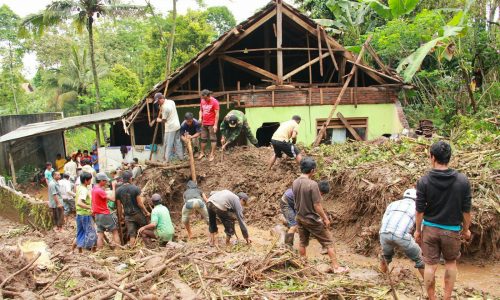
[82,14]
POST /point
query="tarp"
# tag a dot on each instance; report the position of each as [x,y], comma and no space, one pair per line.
[42,128]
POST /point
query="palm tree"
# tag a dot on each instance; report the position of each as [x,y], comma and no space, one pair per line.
[81,13]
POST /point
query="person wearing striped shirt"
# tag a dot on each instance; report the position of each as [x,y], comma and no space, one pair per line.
[398,223]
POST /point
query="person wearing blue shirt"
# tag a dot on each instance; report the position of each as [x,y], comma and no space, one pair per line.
[190,129]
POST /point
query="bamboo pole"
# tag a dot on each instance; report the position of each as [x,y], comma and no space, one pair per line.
[191,160]
[339,97]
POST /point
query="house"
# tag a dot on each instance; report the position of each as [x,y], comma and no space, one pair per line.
[276,64]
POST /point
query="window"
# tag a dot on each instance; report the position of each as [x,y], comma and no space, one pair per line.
[336,132]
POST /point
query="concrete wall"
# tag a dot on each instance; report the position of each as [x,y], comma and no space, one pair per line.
[32,151]
[382,118]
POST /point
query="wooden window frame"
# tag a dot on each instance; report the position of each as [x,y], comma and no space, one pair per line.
[355,122]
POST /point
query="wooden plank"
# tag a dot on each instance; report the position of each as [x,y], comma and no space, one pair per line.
[279,41]
[98,135]
[227,101]
[310,96]
[276,49]
[339,97]
[221,42]
[132,136]
[272,98]
[330,50]
[252,28]
[291,73]
[191,160]
[318,29]
[221,75]
[12,169]
[349,127]
[355,96]
[376,75]
[249,66]
[199,78]
[309,59]
[321,96]
[377,59]
[343,62]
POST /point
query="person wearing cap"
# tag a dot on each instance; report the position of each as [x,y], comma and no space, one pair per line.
[129,196]
[226,206]
[287,205]
[103,217]
[209,118]
[284,139]
[398,223]
[234,124]
[161,226]
[311,217]
[190,129]
[193,201]
[172,138]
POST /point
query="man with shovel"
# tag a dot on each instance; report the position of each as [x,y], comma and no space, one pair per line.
[234,124]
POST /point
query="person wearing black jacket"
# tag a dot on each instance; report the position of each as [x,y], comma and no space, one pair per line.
[443,208]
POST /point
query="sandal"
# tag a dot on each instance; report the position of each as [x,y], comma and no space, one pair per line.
[201,156]
[211,158]
[341,270]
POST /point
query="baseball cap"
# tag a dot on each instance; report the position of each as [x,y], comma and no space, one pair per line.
[410,193]
[233,121]
[156,198]
[102,176]
[206,92]
[158,96]
[243,196]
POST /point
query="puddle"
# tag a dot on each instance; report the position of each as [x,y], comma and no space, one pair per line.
[30,249]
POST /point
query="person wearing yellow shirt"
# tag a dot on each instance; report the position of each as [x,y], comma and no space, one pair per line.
[60,162]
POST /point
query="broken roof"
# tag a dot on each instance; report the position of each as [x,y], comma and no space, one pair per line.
[42,128]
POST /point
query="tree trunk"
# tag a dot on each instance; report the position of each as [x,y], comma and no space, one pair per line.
[12,85]
[170,46]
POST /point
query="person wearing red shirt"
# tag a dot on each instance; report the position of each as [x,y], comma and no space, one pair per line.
[209,118]
[103,217]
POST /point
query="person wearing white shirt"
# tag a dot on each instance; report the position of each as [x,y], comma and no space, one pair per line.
[70,168]
[67,194]
[172,138]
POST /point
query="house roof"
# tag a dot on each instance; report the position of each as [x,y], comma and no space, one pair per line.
[241,30]
[43,128]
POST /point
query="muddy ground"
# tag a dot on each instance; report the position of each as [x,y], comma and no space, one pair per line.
[194,270]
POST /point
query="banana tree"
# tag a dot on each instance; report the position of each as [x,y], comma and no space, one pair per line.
[394,9]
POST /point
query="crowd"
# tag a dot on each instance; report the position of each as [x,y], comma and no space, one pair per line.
[427,224]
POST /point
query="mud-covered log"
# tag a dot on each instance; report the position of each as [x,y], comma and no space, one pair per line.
[165,166]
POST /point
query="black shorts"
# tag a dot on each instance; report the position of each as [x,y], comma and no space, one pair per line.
[285,147]
[106,222]
[134,222]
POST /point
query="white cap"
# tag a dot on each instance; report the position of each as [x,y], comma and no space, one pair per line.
[410,193]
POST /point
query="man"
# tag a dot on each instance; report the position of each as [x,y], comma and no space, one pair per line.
[284,139]
[397,223]
[234,123]
[68,197]
[190,129]
[60,161]
[86,156]
[48,172]
[311,218]
[443,207]
[94,160]
[193,201]
[287,205]
[136,168]
[223,204]
[103,217]
[172,137]
[161,226]
[70,168]
[56,202]
[129,196]
[86,167]
[86,236]
[209,118]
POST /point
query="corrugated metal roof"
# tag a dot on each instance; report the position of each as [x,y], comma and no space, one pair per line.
[42,128]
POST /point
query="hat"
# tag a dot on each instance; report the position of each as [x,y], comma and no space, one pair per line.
[158,96]
[242,196]
[156,198]
[206,92]
[233,121]
[410,193]
[126,175]
[101,176]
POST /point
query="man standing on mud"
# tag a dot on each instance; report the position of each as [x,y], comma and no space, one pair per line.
[284,139]
[311,218]
[56,201]
[443,208]
[209,118]
[103,217]
[172,137]
[129,195]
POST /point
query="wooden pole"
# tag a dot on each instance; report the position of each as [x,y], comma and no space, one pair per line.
[349,127]
[191,160]
[320,51]
[12,169]
[165,166]
[132,136]
[309,59]
[279,40]
[221,75]
[342,91]
[330,50]
[98,135]
[199,78]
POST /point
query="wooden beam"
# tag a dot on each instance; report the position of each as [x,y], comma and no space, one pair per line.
[222,41]
[98,135]
[199,78]
[376,75]
[309,59]
[252,28]
[249,67]
[355,90]
[342,91]
[330,50]
[321,96]
[349,127]
[132,136]
[377,59]
[279,41]
[297,70]
[319,51]
[272,97]
[276,49]
[12,169]
[221,75]
[341,78]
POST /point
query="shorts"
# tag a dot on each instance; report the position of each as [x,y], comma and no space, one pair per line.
[437,241]
[69,206]
[389,242]
[288,212]
[227,219]
[207,131]
[284,147]
[58,216]
[105,222]
[134,222]
[308,227]
[196,205]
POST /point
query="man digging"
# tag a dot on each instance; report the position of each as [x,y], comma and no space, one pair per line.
[284,139]
[234,124]
[193,201]
[311,218]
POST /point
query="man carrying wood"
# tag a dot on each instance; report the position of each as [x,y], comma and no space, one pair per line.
[284,139]
[234,124]
[443,208]
[209,118]
[311,218]
[172,137]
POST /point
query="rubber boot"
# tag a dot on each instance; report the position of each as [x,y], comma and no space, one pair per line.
[289,239]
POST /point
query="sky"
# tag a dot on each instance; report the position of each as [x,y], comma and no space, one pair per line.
[241,9]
